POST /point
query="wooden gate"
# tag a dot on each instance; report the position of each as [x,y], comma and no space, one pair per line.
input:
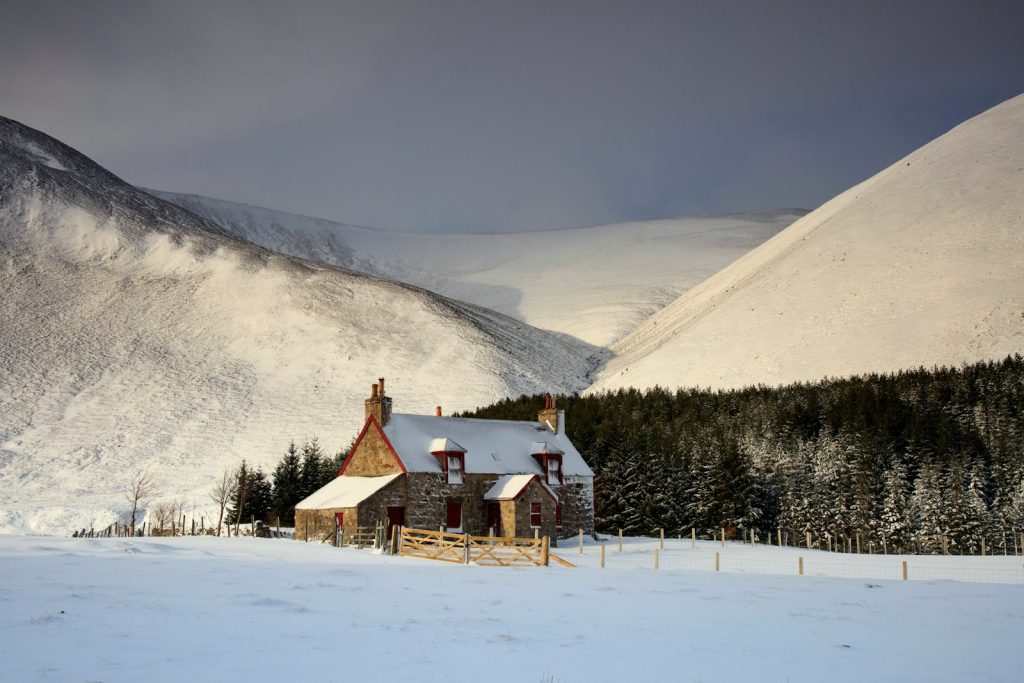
[489,551]
[433,545]
[497,551]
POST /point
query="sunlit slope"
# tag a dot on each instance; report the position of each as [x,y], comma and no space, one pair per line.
[595,283]
[921,264]
[133,333]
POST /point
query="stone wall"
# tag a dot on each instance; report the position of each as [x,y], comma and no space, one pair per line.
[534,493]
[375,508]
[371,457]
[321,523]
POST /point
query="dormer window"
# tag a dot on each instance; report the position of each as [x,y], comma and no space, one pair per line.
[452,458]
[455,467]
[554,469]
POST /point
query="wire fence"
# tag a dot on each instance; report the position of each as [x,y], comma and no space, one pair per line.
[655,554]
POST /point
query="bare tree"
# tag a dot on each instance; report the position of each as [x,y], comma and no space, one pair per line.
[141,488]
[221,494]
[160,515]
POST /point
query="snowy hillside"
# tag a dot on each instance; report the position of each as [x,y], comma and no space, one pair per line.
[134,333]
[921,264]
[596,283]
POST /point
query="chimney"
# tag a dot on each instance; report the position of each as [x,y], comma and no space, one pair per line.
[549,415]
[378,405]
[437,413]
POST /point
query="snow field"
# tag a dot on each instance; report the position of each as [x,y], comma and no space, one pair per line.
[254,610]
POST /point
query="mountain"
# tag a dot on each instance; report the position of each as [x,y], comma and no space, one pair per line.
[134,333]
[595,283]
[921,264]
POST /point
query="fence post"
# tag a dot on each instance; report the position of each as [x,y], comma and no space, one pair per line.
[808,539]
[581,541]
[983,547]
[723,537]
[828,538]
[602,556]
[693,537]
[620,540]
[753,538]
[655,558]
[858,543]
[394,540]
[544,554]
[307,529]
[778,537]
[904,570]
[885,546]
[663,538]
[945,545]
[800,566]
[465,542]
[716,561]
[536,533]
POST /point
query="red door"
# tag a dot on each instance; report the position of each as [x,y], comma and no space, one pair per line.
[494,518]
[339,519]
[455,517]
[396,515]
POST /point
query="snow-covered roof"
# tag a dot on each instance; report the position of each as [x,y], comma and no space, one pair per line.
[545,447]
[511,485]
[445,446]
[345,492]
[491,446]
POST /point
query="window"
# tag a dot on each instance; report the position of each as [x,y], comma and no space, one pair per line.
[535,515]
[558,516]
[455,517]
[554,470]
[455,469]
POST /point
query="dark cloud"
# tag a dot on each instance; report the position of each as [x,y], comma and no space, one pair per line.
[496,115]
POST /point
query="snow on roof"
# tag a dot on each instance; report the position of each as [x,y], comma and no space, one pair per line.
[491,446]
[445,446]
[345,492]
[511,485]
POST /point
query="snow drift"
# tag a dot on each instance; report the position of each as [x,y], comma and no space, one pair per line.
[921,264]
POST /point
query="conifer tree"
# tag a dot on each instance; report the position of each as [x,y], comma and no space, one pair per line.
[287,486]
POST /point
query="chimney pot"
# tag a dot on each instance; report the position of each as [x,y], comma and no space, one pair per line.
[381,386]
[373,391]
[438,412]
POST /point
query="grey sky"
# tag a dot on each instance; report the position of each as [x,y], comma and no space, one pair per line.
[479,116]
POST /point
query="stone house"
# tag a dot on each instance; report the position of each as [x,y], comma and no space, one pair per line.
[465,475]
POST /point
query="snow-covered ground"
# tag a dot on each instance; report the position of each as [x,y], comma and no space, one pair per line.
[921,264]
[257,610]
[596,283]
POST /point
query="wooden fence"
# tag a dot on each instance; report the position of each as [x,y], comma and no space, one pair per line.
[489,551]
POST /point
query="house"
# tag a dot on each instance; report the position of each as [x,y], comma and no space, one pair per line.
[461,474]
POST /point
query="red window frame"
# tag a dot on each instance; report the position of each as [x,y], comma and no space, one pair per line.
[536,509]
[461,459]
[453,513]
[547,469]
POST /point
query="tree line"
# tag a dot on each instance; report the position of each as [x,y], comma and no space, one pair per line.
[908,460]
[246,493]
